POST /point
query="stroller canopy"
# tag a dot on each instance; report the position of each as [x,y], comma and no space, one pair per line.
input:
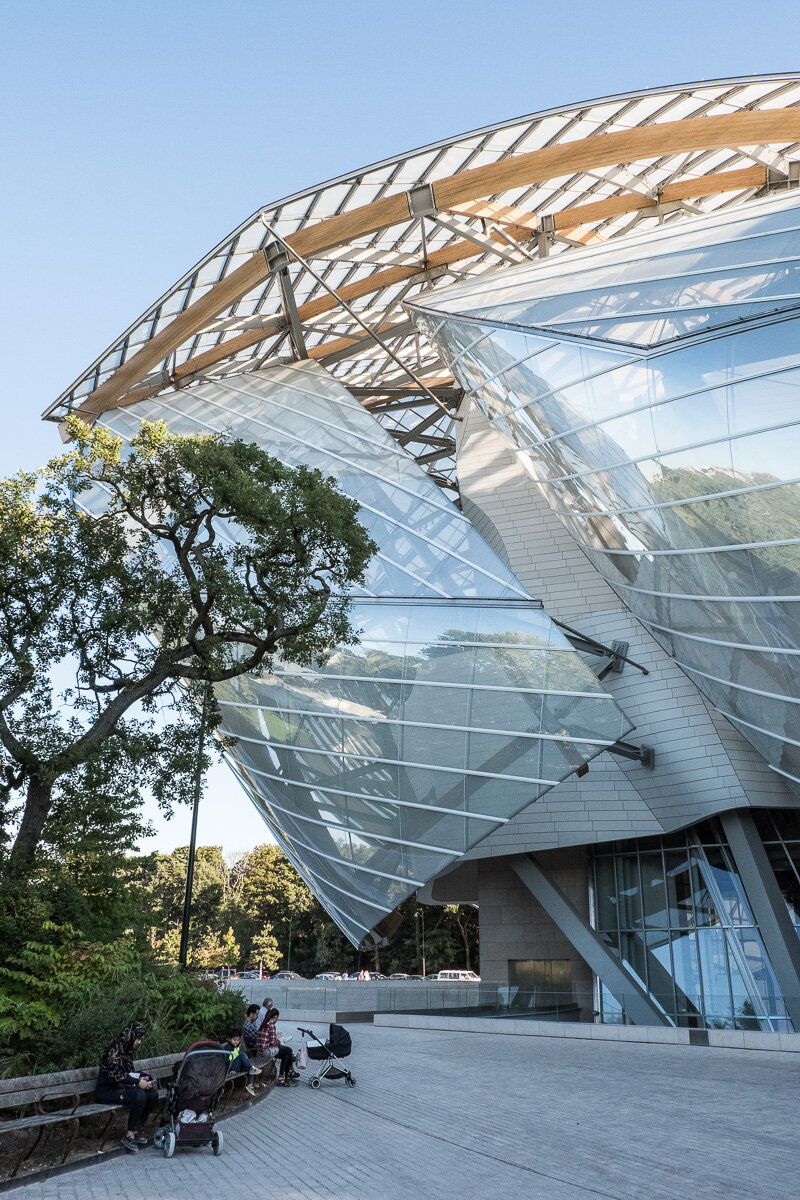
[203,1070]
[339,1041]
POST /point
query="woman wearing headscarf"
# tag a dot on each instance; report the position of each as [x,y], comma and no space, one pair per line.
[119,1083]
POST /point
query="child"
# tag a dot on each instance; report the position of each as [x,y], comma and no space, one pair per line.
[238,1060]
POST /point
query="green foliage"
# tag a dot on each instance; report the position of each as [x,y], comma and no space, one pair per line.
[264,948]
[98,554]
[62,1002]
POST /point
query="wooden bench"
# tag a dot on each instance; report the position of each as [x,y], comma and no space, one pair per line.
[46,1137]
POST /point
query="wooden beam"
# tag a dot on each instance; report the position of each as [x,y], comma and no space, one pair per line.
[503,214]
[571,218]
[607,149]
[519,222]
[612,149]
[683,189]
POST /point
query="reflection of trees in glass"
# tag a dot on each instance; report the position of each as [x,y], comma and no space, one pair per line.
[739,520]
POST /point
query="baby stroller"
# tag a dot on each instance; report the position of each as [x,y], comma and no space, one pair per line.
[338,1046]
[200,1079]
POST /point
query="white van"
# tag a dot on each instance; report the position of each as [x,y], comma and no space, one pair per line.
[457,977]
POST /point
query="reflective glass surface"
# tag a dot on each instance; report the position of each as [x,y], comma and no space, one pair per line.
[697,950]
[672,462]
[460,705]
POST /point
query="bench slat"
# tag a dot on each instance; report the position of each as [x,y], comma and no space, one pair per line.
[52,1118]
[28,1089]
[24,1083]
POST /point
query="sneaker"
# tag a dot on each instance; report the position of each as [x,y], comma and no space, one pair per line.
[129,1144]
[248,1087]
[255,1070]
[141,1140]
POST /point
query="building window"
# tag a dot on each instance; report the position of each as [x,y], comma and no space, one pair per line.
[675,911]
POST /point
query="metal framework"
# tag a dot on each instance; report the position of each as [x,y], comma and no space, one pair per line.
[550,183]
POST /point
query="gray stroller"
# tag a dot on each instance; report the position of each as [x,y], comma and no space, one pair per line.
[328,1054]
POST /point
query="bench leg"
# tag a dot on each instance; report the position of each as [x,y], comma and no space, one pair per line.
[76,1124]
[35,1135]
[106,1127]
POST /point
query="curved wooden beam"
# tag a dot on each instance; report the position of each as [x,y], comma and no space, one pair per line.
[608,149]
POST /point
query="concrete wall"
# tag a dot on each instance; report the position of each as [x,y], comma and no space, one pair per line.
[514,926]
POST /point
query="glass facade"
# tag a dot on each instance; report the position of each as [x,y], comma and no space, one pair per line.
[459,707]
[675,910]
[652,388]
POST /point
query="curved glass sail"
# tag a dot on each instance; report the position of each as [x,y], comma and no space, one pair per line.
[653,390]
[462,702]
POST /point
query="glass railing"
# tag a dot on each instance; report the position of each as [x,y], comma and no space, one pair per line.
[353,999]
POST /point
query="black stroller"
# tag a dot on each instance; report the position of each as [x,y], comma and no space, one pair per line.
[200,1079]
[338,1046]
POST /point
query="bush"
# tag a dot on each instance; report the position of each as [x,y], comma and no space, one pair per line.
[61,1005]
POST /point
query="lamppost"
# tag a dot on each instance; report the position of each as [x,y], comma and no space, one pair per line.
[419,917]
[198,783]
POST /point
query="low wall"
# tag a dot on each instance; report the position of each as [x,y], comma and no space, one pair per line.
[732,1039]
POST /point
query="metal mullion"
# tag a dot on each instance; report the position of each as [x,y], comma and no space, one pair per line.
[695,927]
[309,673]
[317,787]
[668,927]
[391,721]
[341,861]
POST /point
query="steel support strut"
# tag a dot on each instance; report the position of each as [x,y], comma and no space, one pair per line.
[635,1001]
[769,907]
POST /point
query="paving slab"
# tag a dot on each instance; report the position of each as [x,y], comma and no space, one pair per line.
[442,1115]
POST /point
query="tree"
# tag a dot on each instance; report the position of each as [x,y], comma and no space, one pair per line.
[265,949]
[128,584]
[230,949]
[274,894]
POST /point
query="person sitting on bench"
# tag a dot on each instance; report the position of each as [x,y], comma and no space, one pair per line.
[119,1083]
[269,1042]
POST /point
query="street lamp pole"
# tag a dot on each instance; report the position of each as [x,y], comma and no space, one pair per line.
[198,783]
[419,916]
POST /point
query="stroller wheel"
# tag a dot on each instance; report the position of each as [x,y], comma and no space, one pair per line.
[217,1141]
[314,1083]
[158,1138]
[168,1144]
[351,1080]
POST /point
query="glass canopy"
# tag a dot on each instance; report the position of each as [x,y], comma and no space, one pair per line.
[460,706]
[673,466]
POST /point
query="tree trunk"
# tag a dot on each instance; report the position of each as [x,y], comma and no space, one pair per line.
[465,939]
[38,803]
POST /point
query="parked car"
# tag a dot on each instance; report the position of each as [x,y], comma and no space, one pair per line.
[328,975]
[416,978]
[290,976]
[249,975]
[457,977]
[398,976]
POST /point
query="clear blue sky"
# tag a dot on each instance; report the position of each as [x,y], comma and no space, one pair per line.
[137,133]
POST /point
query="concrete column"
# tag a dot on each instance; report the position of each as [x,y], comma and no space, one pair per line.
[638,1005]
[769,907]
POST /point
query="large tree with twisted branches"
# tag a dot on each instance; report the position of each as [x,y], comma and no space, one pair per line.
[128,583]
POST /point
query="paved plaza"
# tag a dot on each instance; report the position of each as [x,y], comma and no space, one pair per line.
[450,1116]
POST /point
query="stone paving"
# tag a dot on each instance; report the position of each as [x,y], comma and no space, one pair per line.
[451,1116]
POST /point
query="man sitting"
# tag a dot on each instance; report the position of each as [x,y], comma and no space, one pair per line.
[252,1023]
